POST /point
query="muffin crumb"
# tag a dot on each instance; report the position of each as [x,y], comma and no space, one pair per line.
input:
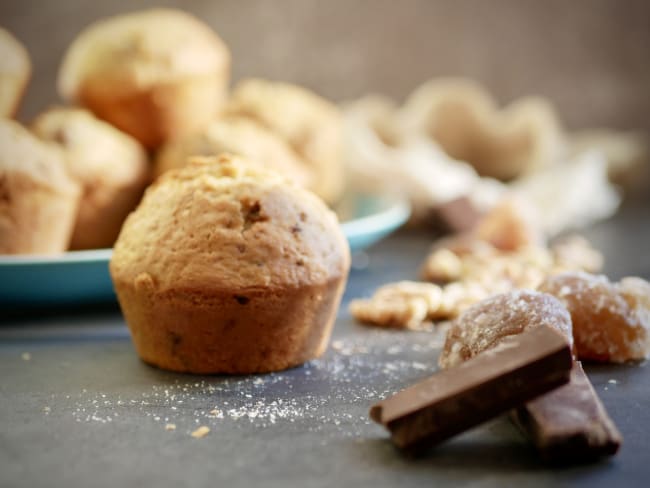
[201,432]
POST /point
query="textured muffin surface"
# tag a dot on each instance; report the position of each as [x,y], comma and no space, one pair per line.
[38,199]
[235,135]
[142,49]
[111,167]
[156,74]
[227,267]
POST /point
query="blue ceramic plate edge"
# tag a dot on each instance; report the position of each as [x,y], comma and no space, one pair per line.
[387,213]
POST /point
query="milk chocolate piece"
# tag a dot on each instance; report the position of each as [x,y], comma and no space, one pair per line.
[570,424]
[519,369]
[458,215]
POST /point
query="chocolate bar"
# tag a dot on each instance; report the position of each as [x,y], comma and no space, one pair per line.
[519,369]
[570,424]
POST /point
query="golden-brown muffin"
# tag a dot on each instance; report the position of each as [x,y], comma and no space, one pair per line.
[15,70]
[111,167]
[463,118]
[227,267]
[155,74]
[38,200]
[235,135]
[310,124]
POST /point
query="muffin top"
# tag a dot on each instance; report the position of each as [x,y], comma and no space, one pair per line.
[225,224]
[15,59]
[142,49]
[236,135]
[21,153]
[15,69]
[96,152]
[311,125]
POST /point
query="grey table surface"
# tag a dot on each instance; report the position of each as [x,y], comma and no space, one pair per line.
[77,407]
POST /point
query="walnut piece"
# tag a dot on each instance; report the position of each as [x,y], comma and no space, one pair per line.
[404,305]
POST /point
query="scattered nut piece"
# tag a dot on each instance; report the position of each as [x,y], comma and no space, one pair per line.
[484,268]
[505,253]
[215,412]
[575,252]
[200,432]
[395,313]
[406,304]
[170,426]
[443,266]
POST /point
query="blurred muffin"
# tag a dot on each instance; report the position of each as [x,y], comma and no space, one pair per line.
[110,166]
[311,125]
[236,135]
[38,200]
[155,74]
[464,119]
[227,267]
[15,70]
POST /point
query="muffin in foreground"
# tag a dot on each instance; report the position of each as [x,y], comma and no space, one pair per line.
[38,199]
[226,267]
[155,74]
[15,70]
[111,167]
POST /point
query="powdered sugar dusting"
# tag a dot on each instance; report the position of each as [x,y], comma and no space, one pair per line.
[356,372]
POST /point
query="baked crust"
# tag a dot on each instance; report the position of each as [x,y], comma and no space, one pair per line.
[38,200]
[235,135]
[111,167]
[155,74]
[15,71]
[235,330]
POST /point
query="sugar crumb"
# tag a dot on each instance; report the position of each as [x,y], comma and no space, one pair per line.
[200,432]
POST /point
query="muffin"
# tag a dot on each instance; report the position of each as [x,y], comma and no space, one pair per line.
[155,74]
[38,200]
[236,135]
[227,267]
[15,70]
[110,166]
[311,125]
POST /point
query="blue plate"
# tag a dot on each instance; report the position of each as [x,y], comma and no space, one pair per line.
[78,277]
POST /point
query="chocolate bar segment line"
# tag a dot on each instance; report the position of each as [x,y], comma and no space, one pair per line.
[519,369]
[569,424]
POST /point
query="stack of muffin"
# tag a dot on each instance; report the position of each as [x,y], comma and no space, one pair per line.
[232,262]
[148,90]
